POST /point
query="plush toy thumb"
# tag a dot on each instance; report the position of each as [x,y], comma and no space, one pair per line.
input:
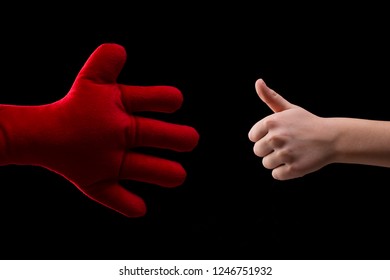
[90,136]
[274,101]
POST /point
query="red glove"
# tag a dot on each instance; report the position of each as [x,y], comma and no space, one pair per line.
[89,136]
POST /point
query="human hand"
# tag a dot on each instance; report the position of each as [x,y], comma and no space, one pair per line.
[90,136]
[292,141]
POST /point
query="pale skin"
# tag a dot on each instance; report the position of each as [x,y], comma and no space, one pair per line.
[293,142]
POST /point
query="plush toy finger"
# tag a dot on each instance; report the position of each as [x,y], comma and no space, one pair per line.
[89,135]
[112,195]
[153,170]
[164,99]
[159,134]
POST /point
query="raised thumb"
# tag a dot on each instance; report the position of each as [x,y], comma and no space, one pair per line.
[273,100]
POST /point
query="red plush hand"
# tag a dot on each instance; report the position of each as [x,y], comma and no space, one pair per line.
[89,136]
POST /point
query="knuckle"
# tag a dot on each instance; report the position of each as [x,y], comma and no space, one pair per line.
[276,140]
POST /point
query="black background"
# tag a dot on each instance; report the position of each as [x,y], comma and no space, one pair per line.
[332,62]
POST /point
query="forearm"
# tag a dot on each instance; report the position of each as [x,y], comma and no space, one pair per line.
[361,141]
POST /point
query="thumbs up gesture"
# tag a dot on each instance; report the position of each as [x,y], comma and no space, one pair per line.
[291,141]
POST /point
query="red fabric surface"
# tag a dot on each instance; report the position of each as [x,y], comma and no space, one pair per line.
[89,136]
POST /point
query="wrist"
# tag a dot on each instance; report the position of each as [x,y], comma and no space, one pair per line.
[348,142]
[21,133]
[3,140]
[334,140]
